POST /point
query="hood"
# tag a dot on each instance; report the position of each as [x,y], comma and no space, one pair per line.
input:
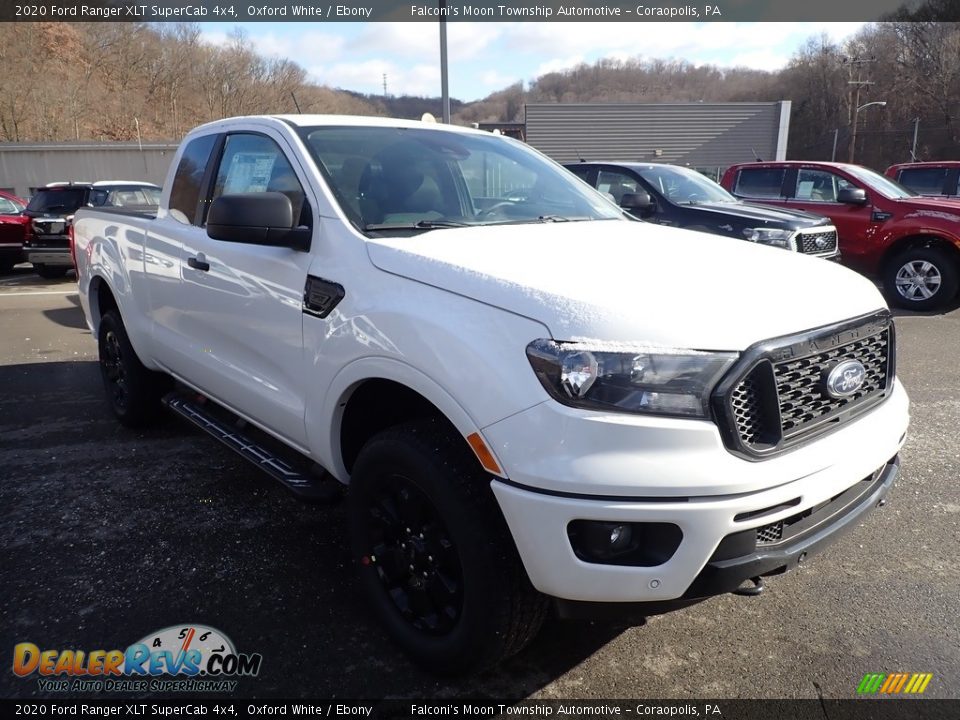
[763,215]
[944,208]
[628,282]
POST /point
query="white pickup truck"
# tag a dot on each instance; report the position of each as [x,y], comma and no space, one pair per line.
[537,404]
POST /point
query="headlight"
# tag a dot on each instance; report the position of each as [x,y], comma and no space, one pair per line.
[659,381]
[770,236]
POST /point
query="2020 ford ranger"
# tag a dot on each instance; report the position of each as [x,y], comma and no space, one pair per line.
[498,365]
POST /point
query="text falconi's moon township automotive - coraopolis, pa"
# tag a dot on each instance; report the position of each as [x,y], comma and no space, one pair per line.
[563,11]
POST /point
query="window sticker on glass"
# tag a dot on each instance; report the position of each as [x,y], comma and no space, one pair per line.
[249,172]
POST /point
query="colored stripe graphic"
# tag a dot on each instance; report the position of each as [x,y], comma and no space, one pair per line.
[894,683]
[870,683]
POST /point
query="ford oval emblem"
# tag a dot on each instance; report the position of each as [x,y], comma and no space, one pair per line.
[845,379]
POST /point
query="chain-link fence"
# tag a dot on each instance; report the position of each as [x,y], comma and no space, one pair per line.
[879,149]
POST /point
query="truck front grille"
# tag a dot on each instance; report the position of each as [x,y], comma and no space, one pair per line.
[817,243]
[777,394]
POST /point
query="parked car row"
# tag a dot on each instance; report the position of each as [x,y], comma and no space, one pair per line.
[911,242]
[681,197]
[903,228]
[908,235]
[38,231]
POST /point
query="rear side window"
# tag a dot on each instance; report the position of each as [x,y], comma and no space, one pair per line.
[926,181]
[760,182]
[819,185]
[185,192]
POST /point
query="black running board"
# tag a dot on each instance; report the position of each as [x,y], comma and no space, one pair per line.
[235,435]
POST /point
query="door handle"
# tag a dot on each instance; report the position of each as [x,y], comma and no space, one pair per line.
[198,263]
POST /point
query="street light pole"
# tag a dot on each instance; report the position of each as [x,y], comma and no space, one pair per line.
[444,85]
[856,114]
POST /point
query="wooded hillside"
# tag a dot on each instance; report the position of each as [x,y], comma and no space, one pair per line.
[110,81]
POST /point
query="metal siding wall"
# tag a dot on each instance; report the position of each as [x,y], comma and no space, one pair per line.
[23,166]
[695,134]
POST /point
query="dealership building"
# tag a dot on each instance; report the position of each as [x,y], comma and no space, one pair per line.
[707,136]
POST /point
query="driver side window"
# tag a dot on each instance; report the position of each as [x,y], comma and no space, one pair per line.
[255,163]
[615,184]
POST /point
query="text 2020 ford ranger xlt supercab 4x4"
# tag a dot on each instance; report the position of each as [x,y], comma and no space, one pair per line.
[497,363]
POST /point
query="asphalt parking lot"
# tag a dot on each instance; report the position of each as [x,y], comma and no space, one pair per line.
[108,534]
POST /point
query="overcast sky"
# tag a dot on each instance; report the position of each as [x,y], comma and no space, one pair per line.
[488,56]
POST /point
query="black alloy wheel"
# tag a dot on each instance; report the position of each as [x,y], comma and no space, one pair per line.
[435,557]
[414,556]
[114,374]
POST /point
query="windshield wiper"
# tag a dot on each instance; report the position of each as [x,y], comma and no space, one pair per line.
[542,219]
[419,225]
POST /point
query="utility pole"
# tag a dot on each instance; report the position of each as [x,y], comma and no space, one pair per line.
[855,106]
[913,148]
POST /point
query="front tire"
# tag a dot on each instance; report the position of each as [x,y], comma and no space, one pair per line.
[133,391]
[922,278]
[436,560]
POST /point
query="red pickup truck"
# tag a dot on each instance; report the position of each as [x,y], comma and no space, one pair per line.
[928,178]
[911,242]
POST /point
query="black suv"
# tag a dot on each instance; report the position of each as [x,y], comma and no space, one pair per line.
[681,197]
[51,209]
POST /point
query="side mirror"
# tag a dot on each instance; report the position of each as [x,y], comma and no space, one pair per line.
[256,219]
[637,202]
[852,196]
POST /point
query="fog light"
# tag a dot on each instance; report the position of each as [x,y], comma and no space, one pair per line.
[618,543]
[619,536]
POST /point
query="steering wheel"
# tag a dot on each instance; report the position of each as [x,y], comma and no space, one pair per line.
[495,207]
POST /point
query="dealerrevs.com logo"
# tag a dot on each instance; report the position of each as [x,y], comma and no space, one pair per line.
[180,658]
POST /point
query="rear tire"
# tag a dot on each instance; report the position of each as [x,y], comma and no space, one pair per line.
[921,278]
[133,391]
[51,272]
[436,560]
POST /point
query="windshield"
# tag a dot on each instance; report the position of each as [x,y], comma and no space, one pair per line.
[414,179]
[683,186]
[883,185]
[10,206]
[59,200]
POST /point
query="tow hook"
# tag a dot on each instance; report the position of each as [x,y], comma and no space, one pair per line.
[751,591]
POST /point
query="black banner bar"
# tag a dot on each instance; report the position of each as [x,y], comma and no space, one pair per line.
[876,708]
[326,11]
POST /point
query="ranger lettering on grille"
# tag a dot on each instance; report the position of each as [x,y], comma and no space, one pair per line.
[784,396]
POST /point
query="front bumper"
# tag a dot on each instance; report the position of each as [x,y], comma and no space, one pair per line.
[726,571]
[602,471]
[11,252]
